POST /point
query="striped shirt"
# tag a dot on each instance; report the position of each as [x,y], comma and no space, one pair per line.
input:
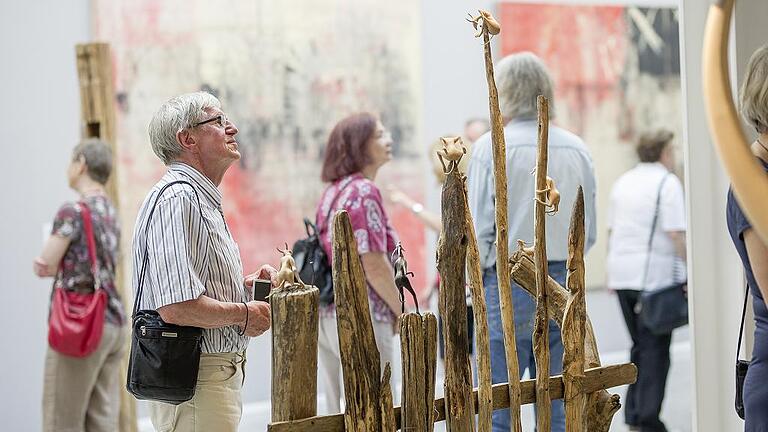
[189,254]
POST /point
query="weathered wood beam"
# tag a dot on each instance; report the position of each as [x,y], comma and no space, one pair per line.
[359,354]
[451,261]
[387,408]
[502,234]
[294,352]
[574,323]
[541,316]
[595,380]
[418,342]
[601,406]
[482,336]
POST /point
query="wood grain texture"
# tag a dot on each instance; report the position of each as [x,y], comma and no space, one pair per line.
[482,336]
[502,236]
[294,352]
[388,423]
[418,343]
[574,323]
[595,380]
[541,316]
[451,261]
[359,354]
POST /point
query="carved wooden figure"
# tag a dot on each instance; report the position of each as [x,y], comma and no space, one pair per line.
[288,274]
[453,150]
[484,22]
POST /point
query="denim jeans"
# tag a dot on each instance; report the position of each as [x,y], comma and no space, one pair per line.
[525,308]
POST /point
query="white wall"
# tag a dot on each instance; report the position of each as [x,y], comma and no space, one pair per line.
[40,115]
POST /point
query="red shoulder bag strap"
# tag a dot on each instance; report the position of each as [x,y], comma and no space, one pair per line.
[90,240]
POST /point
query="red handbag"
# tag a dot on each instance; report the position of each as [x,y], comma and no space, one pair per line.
[76,321]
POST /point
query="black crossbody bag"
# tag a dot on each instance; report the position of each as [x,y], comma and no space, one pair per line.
[741,365]
[165,358]
[664,309]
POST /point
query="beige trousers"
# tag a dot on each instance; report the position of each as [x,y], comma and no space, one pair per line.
[83,394]
[217,405]
[329,359]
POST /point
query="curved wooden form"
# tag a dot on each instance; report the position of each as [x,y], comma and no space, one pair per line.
[747,176]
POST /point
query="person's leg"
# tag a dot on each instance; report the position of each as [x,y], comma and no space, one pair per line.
[329,362]
[652,378]
[67,387]
[384,334]
[104,406]
[627,301]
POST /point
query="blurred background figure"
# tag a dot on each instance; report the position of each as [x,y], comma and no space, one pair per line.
[636,263]
[520,78]
[82,393]
[357,147]
[752,251]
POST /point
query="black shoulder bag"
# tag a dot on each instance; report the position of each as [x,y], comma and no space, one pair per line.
[664,309]
[164,358]
[741,365]
[311,259]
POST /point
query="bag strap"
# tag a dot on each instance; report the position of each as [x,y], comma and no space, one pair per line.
[144,262]
[85,212]
[333,203]
[741,327]
[653,228]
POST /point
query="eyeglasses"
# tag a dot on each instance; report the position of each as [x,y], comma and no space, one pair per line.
[221,119]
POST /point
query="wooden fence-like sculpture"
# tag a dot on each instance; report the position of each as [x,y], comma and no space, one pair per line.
[367,390]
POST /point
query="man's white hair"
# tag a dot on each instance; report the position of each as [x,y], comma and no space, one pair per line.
[177,114]
[520,78]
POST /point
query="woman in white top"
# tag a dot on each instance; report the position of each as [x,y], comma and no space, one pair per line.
[634,266]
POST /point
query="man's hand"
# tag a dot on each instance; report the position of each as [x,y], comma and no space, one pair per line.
[258,318]
[265,272]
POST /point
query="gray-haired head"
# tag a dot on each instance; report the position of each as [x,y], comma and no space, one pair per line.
[177,114]
[521,78]
[97,157]
[754,91]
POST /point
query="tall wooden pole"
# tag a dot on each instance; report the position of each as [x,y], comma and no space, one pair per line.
[574,323]
[541,319]
[483,343]
[294,352]
[502,236]
[418,342]
[97,106]
[451,261]
[359,354]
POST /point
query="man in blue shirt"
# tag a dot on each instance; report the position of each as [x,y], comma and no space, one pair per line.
[520,79]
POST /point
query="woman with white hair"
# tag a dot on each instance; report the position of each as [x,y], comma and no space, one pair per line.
[83,393]
[752,251]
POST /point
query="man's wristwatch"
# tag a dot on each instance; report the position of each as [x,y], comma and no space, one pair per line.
[417,208]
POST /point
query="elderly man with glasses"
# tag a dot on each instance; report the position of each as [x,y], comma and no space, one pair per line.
[194,276]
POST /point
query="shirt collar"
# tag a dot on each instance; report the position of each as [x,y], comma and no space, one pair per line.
[205,184]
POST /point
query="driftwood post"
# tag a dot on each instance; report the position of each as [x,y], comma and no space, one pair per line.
[294,352]
[388,423]
[483,343]
[451,259]
[601,405]
[574,323]
[541,319]
[97,107]
[488,25]
[359,354]
[418,341]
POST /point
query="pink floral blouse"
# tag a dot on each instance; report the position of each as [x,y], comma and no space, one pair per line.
[363,202]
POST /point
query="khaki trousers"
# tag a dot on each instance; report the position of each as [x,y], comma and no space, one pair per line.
[217,405]
[83,394]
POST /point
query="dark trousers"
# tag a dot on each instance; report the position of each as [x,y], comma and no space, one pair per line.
[650,353]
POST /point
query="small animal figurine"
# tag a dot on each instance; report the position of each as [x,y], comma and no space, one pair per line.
[553,195]
[484,22]
[401,277]
[453,150]
[288,275]
[526,250]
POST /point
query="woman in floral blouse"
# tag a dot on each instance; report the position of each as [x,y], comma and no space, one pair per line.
[357,147]
[83,393]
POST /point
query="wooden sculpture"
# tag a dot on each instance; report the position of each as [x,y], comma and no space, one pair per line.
[453,150]
[288,275]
